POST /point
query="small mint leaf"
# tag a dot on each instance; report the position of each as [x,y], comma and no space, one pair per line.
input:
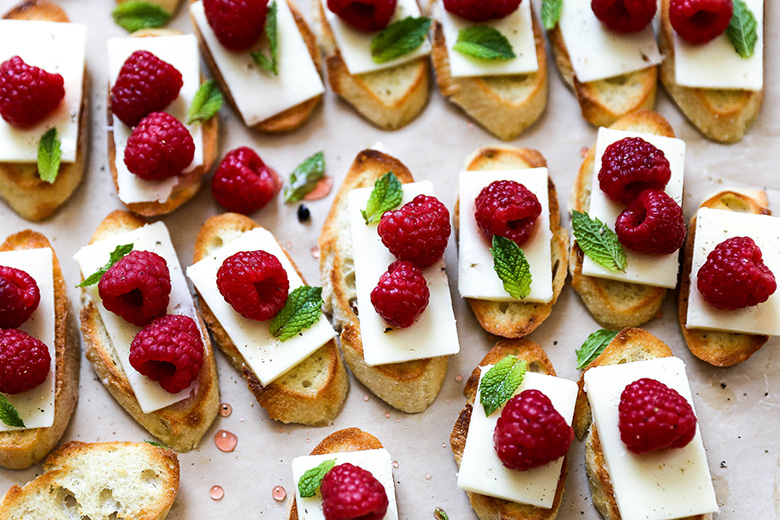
[399,38]
[551,13]
[9,415]
[118,253]
[135,15]
[599,242]
[386,195]
[594,346]
[440,514]
[163,446]
[304,177]
[500,383]
[206,102]
[49,155]
[511,267]
[484,43]
[269,64]
[302,310]
[311,480]
[742,31]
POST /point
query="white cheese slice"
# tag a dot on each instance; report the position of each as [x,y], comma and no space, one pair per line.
[481,471]
[268,357]
[377,462]
[155,238]
[716,64]
[518,29]
[713,226]
[434,333]
[36,406]
[297,81]
[181,51]
[666,484]
[476,276]
[355,46]
[57,48]
[597,52]
[656,270]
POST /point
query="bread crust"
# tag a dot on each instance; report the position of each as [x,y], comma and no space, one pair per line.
[410,386]
[180,425]
[718,348]
[20,186]
[518,319]
[287,399]
[22,448]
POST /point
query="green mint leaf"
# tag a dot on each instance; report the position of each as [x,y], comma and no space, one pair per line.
[311,480]
[269,64]
[484,43]
[163,446]
[49,154]
[302,310]
[599,242]
[304,177]
[440,514]
[551,13]
[138,14]
[500,383]
[8,413]
[386,195]
[118,253]
[743,29]
[399,38]
[594,346]
[511,267]
[206,103]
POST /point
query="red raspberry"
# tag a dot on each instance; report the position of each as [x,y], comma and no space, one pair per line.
[735,276]
[27,93]
[481,10]
[24,361]
[364,15]
[145,84]
[625,16]
[137,287]
[699,21]
[653,224]
[159,147]
[654,417]
[401,294]
[352,493]
[19,297]
[242,182]
[631,166]
[418,231]
[530,432]
[254,283]
[168,350]
[237,24]
[507,209]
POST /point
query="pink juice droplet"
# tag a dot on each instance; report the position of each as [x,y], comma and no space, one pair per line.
[225,410]
[387,415]
[225,441]
[216,492]
[459,378]
[279,493]
[321,190]
[315,251]
[428,476]
[395,463]
[365,397]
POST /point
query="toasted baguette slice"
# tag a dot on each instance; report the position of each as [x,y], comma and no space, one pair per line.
[99,481]
[348,439]
[410,386]
[504,105]
[293,117]
[312,392]
[180,425]
[719,348]
[615,304]
[389,98]
[491,508]
[605,101]
[22,448]
[722,115]
[518,319]
[190,182]
[20,186]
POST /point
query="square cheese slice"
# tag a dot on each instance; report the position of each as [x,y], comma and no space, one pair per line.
[476,276]
[268,357]
[656,270]
[36,406]
[434,333]
[713,226]
[57,48]
[481,471]
[662,485]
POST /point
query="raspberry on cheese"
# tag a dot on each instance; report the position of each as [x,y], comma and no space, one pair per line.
[364,15]
[254,283]
[27,93]
[352,493]
[19,297]
[24,361]
[159,147]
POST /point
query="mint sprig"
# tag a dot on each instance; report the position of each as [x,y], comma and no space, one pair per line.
[49,156]
[157,444]
[117,254]
[8,413]
[304,177]
[386,195]
[742,31]
[310,481]
[135,15]
[594,346]
[551,13]
[269,63]
[302,310]
[599,242]
[511,267]
[206,102]
[500,383]
[484,43]
[399,38]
